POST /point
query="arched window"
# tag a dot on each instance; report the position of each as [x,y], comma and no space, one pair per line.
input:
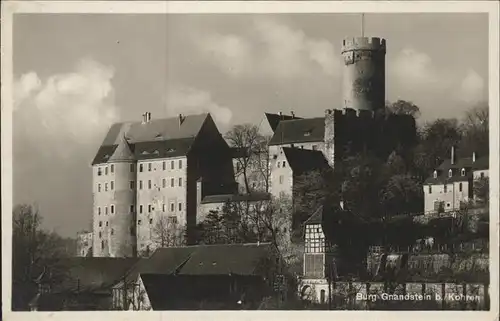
[430,189]
[435,174]
[463,172]
[322,296]
[450,173]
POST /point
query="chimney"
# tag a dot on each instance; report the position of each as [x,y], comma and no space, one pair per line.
[148,116]
[452,155]
[342,204]
[281,114]
[473,157]
[293,114]
[181,119]
[144,117]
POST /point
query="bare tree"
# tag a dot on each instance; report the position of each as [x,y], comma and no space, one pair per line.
[167,232]
[36,254]
[252,158]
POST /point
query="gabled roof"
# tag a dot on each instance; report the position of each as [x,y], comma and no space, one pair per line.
[299,131]
[275,119]
[163,149]
[305,160]
[218,259]
[481,163]
[223,198]
[317,217]
[92,273]
[168,137]
[122,152]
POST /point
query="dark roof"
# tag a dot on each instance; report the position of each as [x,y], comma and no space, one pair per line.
[466,162]
[275,119]
[92,273]
[299,131]
[317,217]
[219,259]
[305,160]
[223,198]
[168,137]
[163,149]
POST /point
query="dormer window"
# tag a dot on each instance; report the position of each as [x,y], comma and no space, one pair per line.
[307,133]
[463,172]
[279,164]
[450,173]
[435,174]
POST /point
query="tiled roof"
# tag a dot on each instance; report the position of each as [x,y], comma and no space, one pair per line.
[236,198]
[169,137]
[466,163]
[163,149]
[219,259]
[305,160]
[299,131]
[275,119]
[317,217]
[92,273]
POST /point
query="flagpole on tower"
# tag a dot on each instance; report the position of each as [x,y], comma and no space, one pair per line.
[362,25]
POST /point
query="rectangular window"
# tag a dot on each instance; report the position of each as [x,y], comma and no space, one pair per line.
[106,170]
[139,222]
[99,210]
[172,207]
[460,187]
[172,219]
[430,189]
[141,167]
[482,175]
[164,183]
[164,165]
[172,165]
[112,185]
[132,168]
[140,184]
[131,208]
[149,184]
[100,234]
[112,209]
[112,168]
[140,209]
[445,188]
[180,207]
[149,208]
[150,221]
[100,223]
[284,164]
[164,207]
[180,181]
[112,231]
[99,171]
[149,167]
[132,184]
[172,182]
[180,163]
[106,210]
[281,179]
[106,187]
[107,223]
[98,187]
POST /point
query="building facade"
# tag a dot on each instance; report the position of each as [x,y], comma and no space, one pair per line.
[452,183]
[144,180]
[84,244]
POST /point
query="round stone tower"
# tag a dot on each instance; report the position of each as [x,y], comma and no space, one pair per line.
[364,73]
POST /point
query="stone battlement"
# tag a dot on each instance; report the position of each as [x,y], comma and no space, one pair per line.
[363,43]
[350,112]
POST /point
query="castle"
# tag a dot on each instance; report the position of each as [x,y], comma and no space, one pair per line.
[159,171]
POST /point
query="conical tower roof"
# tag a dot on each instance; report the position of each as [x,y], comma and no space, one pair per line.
[122,152]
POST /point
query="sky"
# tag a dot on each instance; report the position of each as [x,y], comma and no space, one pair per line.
[76,74]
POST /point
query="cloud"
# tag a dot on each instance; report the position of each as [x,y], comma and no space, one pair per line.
[187,100]
[271,50]
[472,87]
[417,78]
[65,110]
